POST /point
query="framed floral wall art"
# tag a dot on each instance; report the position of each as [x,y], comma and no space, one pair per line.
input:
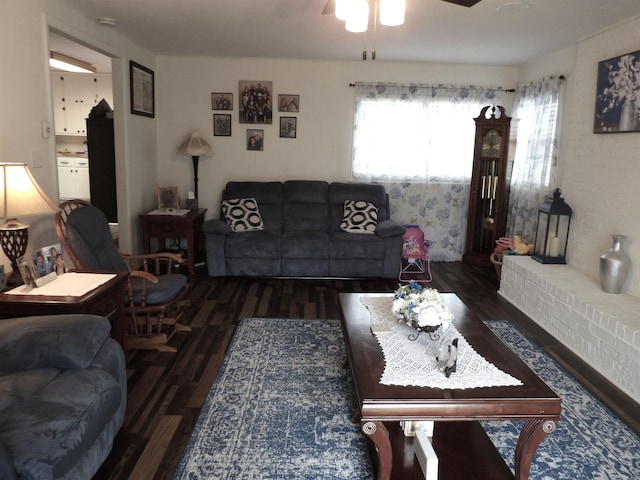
[618,95]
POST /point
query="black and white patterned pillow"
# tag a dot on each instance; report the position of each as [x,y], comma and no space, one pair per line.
[242,214]
[359,217]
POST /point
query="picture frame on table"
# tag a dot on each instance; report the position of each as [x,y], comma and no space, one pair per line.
[221,125]
[288,127]
[27,272]
[617,105]
[142,84]
[168,198]
[222,101]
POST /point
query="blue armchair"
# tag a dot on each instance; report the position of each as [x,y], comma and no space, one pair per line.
[63,392]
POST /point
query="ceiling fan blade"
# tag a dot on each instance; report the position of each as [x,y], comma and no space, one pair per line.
[330,7]
[464,3]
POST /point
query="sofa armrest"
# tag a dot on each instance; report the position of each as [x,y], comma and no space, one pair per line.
[57,341]
[389,228]
[216,226]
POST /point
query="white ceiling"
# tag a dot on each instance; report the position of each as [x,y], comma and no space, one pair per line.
[434,31]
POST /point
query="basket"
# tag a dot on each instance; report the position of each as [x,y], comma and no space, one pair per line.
[497,264]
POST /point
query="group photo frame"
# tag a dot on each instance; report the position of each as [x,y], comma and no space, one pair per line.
[221,125]
[222,101]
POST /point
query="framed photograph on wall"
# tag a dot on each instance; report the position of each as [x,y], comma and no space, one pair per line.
[222,101]
[221,125]
[142,90]
[288,127]
[168,198]
[255,139]
[618,95]
[255,102]
[289,103]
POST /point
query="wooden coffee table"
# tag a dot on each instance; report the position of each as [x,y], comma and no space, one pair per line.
[462,446]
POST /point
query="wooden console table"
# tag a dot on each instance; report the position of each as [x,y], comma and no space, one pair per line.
[187,226]
[463,448]
[105,300]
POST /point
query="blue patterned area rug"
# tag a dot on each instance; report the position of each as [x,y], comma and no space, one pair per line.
[590,442]
[281,408]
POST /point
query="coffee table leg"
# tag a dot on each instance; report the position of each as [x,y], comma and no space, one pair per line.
[379,435]
[530,437]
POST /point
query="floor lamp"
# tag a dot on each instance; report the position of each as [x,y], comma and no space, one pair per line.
[20,195]
[195,146]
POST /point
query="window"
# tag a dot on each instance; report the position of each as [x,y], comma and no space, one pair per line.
[415,133]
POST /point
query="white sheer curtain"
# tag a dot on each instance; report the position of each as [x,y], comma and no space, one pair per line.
[416,133]
[535,122]
[418,141]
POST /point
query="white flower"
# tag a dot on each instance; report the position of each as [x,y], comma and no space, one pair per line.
[420,307]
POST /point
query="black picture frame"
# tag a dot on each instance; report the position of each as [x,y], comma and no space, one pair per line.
[617,105]
[288,127]
[142,82]
[255,139]
[255,103]
[288,103]
[222,101]
[221,125]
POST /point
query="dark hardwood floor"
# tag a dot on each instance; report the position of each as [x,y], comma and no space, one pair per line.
[167,390]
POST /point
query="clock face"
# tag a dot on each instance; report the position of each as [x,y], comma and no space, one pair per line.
[491,144]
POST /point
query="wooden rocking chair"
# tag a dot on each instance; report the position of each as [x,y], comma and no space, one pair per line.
[155,295]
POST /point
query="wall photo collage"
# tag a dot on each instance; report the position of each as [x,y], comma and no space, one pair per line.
[255,108]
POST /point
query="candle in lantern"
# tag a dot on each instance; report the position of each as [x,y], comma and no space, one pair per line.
[554,247]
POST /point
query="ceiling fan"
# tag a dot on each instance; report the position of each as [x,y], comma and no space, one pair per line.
[330,7]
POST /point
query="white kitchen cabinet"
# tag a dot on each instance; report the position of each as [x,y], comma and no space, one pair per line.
[74,95]
[73,178]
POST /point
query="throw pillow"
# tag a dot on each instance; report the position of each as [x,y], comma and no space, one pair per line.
[359,217]
[242,214]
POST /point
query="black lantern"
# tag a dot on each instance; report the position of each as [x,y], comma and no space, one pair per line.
[552,233]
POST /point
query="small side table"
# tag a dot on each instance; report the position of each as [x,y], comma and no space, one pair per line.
[105,300]
[187,226]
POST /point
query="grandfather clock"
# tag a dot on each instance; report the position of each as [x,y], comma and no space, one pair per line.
[488,197]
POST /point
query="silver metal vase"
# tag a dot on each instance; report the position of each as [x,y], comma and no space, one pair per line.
[614,266]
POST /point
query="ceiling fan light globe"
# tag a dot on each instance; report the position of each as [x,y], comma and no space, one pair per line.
[392,12]
[342,9]
[358,16]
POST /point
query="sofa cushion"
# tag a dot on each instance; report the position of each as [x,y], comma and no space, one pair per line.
[250,245]
[305,206]
[34,342]
[242,214]
[73,408]
[346,245]
[359,217]
[268,195]
[340,192]
[305,245]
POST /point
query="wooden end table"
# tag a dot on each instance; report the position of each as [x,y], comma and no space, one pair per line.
[187,226]
[463,448]
[105,300]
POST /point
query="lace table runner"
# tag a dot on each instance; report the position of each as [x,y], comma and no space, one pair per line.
[414,362]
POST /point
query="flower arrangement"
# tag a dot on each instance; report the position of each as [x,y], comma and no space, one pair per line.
[422,308]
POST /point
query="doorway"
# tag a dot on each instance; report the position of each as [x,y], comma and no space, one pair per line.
[77,97]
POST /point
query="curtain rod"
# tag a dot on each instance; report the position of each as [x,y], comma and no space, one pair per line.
[498,89]
[414,85]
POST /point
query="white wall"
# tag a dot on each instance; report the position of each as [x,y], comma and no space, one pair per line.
[25,101]
[600,173]
[322,149]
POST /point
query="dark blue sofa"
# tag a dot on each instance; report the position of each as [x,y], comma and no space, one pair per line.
[302,235]
[63,392]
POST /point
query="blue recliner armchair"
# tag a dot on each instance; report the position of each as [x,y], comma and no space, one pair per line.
[63,392]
